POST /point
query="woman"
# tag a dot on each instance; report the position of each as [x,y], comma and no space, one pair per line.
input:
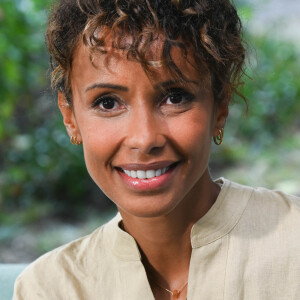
[144,86]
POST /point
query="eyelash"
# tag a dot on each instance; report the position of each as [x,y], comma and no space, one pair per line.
[173,92]
[98,101]
[187,97]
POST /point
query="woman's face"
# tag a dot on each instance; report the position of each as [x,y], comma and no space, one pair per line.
[146,142]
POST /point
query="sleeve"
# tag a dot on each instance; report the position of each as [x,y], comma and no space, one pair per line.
[41,280]
[27,288]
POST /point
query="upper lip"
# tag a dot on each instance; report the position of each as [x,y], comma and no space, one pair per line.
[149,166]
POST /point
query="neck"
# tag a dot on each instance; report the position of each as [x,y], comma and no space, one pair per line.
[164,241]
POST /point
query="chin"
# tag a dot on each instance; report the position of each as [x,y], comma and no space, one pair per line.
[148,209]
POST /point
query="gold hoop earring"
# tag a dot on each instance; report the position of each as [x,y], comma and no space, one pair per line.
[218,140]
[74,141]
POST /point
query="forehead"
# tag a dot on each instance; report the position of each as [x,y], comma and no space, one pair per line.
[112,61]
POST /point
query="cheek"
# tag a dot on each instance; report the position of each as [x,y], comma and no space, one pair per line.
[192,133]
[193,138]
[100,142]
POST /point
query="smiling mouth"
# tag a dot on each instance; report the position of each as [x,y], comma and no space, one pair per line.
[147,174]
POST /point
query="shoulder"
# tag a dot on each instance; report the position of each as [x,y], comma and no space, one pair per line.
[264,245]
[268,213]
[274,202]
[65,265]
[264,198]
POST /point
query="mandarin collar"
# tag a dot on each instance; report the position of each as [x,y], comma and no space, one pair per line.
[123,245]
[216,223]
[223,215]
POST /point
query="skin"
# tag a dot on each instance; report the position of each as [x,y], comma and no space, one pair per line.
[145,126]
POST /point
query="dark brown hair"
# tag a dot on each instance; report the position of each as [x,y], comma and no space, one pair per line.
[210,29]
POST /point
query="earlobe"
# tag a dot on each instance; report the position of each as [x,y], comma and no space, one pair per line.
[222,114]
[220,119]
[68,116]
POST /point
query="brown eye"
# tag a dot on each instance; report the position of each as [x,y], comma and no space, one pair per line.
[178,97]
[175,99]
[108,103]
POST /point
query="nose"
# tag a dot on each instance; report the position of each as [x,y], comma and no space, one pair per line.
[145,131]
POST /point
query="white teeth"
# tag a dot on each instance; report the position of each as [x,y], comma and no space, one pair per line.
[158,172]
[150,174]
[132,174]
[141,174]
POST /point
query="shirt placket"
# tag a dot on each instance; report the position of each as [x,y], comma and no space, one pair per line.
[134,282]
[208,270]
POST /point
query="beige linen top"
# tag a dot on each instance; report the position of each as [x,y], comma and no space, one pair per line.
[247,246]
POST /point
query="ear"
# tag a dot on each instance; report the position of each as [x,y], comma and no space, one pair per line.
[221,113]
[68,117]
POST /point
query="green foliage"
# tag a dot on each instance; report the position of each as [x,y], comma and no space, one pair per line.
[273,92]
[272,89]
[22,59]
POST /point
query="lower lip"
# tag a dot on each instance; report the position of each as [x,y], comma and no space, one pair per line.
[150,184]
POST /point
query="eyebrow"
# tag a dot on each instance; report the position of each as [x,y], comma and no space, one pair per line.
[160,85]
[169,83]
[107,85]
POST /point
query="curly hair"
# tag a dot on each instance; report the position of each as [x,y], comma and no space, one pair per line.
[209,29]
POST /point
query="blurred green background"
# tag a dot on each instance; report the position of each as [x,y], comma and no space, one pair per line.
[46,195]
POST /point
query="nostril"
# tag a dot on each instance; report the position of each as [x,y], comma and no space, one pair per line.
[156,150]
[146,143]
